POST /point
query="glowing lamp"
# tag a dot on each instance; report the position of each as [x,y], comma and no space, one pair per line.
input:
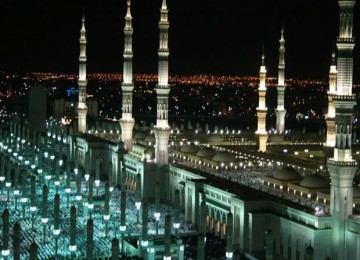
[72,248]
[229,254]
[157,216]
[5,252]
[176,225]
[151,250]
[122,228]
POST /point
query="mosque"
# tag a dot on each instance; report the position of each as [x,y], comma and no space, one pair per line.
[268,196]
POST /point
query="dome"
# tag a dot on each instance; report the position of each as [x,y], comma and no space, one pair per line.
[140,135]
[205,152]
[287,174]
[215,138]
[189,149]
[223,157]
[315,182]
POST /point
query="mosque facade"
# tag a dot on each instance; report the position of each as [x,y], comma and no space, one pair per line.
[256,222]
[265,207]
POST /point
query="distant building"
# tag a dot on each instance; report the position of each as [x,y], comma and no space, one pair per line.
[37,108]
[65,108]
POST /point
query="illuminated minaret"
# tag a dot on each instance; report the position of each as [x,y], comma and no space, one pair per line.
[162,128]
[82,81]
[127,86]
[342,166]
[280,110]
[261,110]
[330,117]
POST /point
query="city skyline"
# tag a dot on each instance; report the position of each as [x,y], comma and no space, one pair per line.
[205,36]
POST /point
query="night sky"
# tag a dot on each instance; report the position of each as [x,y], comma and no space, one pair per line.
[222,37]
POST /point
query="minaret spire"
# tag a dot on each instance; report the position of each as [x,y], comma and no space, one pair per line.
[280,110]
[82,81]
[127,121]
[342,166]
[261,109]
[330,117]
[164,6]
[162,129]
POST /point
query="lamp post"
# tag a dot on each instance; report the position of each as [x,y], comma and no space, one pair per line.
[111,176]
[56,230]
[68,187]
[57,175]
[78,190]
[50,170]
[122,218]
[46,154]
[107,208]
[144,238]
[76,160]
[44,218]
[97,175]
[40,173]
[33,206]
[87,165]
[2,179]
[24,197]
[89,239]
[176,224]
[72,246]
[90,202]
[2,170]
[5,252]
[8,178]
[16,185]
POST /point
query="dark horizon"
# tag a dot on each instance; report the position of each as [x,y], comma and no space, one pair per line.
[206,36]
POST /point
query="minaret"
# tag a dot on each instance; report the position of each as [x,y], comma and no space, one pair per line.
[280,110]
[162,128]
[82,81]
[330,117]
[342,166]
[127,121]
[261,110]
